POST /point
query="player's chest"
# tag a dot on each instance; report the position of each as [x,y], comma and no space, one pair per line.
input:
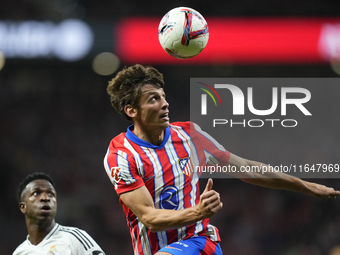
[166,162]
[55,247]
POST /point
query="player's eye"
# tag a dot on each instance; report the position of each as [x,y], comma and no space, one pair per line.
[154,98]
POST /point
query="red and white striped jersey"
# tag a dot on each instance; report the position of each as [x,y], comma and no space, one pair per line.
[168,172]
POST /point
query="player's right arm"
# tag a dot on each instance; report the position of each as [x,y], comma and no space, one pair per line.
[141,204]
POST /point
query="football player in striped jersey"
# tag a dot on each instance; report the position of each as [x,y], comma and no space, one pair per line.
[38,202]
[152,168]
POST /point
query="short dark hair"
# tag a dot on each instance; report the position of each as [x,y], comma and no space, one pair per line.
[32,177]
[126,88]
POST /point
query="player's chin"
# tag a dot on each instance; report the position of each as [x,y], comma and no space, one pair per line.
[47,213]
[165,124]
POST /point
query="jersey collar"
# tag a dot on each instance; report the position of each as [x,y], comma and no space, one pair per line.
[132,137]
[51,233]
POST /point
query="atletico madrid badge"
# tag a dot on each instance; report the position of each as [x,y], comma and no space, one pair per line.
[186,166]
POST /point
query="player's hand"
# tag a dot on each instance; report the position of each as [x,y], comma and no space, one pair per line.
[210,202]
[321,191]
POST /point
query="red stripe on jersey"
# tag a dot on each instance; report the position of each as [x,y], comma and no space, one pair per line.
[209,248]
[190,231]
[177,140]
[135,185]
[153,241]
[149,172]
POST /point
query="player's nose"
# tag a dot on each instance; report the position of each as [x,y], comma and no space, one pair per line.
[44,196]
[165,104]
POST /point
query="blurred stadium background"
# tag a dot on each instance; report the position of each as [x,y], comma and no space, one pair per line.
[56,58]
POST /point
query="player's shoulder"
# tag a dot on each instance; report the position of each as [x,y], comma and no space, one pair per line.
[69,233]
[21,248]
[118,139]
[118,143]
[187,126]
[182,124]
[79,239]
[69,229]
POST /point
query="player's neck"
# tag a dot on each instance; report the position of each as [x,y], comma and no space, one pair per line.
[38,231]
[152,136]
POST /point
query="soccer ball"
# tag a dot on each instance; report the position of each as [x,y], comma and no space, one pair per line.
[183,32]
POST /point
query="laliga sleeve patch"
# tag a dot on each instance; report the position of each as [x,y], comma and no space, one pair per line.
[115,173]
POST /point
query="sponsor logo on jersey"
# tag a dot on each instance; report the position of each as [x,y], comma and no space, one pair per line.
[169,198]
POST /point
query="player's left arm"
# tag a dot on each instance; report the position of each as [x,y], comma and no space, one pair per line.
[265,178]
[278,180]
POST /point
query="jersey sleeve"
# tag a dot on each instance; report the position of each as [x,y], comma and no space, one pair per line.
[122,170]
[81,243]
[214,152]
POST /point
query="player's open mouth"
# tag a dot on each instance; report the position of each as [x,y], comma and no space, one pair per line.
[165,116]
[45,208]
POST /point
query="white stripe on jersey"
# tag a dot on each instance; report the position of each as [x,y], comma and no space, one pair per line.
[158,172]
[195,177]
[136,156]
[191,150]
[178,180]
[146,247]
[176,171]
[135,243]
[123,163]
[211,229]
[199,226]
[107,168]
[162,238]
[158,183]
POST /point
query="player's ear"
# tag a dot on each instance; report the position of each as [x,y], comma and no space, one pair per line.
[130,111]
[22,207]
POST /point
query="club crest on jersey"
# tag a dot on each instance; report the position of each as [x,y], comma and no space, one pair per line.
[115,173]
[52,251]
[186,166]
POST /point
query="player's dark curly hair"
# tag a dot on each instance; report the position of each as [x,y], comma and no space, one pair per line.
[126,87]
[32,177]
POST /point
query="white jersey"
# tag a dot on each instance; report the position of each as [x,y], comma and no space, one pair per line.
[61,241]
